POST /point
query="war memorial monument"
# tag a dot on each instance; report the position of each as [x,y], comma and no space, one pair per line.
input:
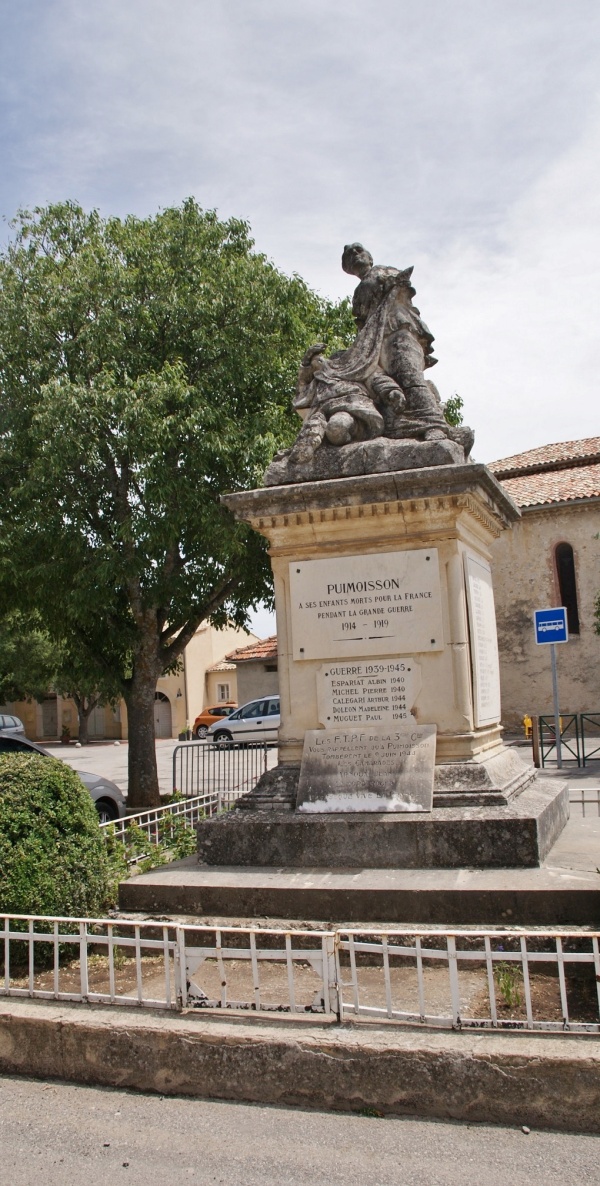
[391,753]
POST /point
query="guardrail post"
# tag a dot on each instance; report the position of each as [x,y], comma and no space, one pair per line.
[535,743]
[180,967]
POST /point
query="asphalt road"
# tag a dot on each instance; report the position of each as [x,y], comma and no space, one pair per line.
[63,1135]
[111,760]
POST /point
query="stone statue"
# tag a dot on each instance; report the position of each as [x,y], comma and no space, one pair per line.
[360,400]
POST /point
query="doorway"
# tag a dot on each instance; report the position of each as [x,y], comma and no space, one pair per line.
[49,717]
[163,725]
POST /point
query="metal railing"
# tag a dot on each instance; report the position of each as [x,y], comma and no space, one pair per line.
[227,771]
[586,798]
[487,979]
[93,960]
[569,739]
[189,811]
[479,979]
[579,738]
[590,737]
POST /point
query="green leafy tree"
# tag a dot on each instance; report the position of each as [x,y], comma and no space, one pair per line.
[27,658]
[32,663]
[146,367]
[453,409]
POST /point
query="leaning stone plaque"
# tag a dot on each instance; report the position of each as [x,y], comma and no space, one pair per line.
[484,642]
[380,604]
[368,691]
[369,769]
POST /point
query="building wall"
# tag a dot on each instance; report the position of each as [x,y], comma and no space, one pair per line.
[45,722]
[253,680]
[216,680]
[191,687]
[525,579]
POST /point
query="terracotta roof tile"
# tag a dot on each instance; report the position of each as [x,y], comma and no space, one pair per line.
[562,472]
[560,455]
[221,666]
[561,485]
[265,649]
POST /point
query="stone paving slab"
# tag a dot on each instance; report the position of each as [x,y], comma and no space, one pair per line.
[550,1081]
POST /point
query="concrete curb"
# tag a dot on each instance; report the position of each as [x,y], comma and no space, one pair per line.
[543,1081]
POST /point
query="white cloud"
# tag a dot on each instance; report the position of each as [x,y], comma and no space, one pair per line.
[517,328]
[459,137]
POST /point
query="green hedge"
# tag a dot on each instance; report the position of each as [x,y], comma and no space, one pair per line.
[52,854]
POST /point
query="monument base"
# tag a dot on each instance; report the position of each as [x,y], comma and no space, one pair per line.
[517,834]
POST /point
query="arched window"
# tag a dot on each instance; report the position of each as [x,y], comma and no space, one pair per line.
[565,571]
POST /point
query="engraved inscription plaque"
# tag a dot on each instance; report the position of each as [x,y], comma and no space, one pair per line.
[370,769]
[381,604]
[367,691]
[484,641]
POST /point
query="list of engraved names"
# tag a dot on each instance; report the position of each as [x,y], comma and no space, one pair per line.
[484,642]
[367,692]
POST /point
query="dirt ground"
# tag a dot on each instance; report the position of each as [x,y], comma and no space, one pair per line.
[207,988]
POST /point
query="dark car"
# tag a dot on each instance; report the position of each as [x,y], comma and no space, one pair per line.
[11,726]
[107,797]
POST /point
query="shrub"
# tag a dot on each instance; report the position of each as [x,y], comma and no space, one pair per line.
[52,855]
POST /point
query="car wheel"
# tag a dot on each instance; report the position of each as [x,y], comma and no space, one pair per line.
[201,732]
[107,811]
[223,737]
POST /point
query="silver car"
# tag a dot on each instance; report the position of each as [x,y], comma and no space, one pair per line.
[256,721]
[11,726]
[107,797]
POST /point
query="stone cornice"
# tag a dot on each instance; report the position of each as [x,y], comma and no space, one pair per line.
[475,488]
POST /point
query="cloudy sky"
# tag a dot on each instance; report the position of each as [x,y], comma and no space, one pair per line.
[461,136]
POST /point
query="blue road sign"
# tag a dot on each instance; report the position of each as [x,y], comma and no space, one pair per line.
[551,625]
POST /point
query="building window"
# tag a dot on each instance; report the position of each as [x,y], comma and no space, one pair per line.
[222,691]
[565,572]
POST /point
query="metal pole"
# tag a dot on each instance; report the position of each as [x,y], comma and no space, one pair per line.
[556,708]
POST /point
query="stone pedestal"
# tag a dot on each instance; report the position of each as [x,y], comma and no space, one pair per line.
[457,511]
[387,577]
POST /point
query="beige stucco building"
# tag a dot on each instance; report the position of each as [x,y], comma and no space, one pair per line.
[205,677]
[551,557]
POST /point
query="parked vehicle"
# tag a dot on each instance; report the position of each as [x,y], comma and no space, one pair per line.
[256,721]
[107,797]
[211,716]
[11,726]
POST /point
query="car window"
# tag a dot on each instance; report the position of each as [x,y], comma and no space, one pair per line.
[258,709]
[15,721]
[274,707]
[236,716]
[9,745]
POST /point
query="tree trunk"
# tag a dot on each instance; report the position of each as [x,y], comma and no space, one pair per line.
[84,711]
[143,789]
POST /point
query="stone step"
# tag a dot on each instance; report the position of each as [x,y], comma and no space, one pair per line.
[565,891]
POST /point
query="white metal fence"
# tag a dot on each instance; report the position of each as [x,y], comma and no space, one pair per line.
[189,811]
[460,978]
[584,800]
